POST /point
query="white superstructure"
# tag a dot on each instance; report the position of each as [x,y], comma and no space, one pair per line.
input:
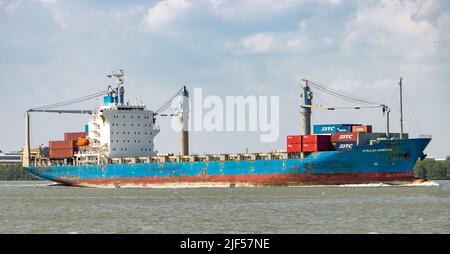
[119,130]
[123,131]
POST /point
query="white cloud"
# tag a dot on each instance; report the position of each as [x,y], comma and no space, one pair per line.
[428,9]
[388,28]
[164,13]
[47,2]
[330,2]
[242,10]
[385,84]
[328,41]
[345,84]
[12,6]
[260,43]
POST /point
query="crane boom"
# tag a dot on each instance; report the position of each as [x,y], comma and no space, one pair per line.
[60,111]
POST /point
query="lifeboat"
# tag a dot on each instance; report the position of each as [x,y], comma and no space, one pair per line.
[83,142]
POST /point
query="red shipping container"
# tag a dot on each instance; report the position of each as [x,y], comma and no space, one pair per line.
[74,135]
[344,136]
[294,139]
[311,139]
[362,128]
[66,144]
[60,153]
[294,148]
[316,147]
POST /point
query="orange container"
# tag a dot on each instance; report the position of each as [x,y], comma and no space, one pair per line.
[362,128]
[61,153]
[74,135]
[66,144]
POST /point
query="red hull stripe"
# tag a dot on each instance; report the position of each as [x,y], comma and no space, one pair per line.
[263,179]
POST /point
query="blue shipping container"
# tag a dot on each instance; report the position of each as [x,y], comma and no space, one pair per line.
[344,146]
[86,128]
[332,128]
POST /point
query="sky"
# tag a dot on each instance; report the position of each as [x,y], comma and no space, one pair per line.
[56,50]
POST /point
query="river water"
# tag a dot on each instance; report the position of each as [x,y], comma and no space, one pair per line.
[39,207]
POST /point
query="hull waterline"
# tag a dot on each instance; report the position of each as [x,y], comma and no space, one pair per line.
[390,161]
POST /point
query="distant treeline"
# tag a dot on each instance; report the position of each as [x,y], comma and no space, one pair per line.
[14,172]
[428,169]
[433,169]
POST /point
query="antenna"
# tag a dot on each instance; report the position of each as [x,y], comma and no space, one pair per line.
[401,107]
[119,97]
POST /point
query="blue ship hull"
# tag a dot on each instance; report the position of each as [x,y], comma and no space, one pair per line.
[386,161]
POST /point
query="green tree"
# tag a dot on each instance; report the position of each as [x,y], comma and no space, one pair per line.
[14,172]
[432,169]
[447,166]
[419,170]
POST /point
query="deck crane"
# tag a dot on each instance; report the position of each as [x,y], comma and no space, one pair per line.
[307,105]
[119,90]
[50,109]
[181,97]
[118,94]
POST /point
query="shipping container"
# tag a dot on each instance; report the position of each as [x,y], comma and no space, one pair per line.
[362,128]
[61,153]
[86,128]
[316,147]
[66,144]
[344,146]
[316,139]
[294,148]
[294,139]
[74,135]
[344,136]
[332,128]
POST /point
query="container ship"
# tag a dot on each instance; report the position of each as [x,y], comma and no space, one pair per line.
[116,149]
